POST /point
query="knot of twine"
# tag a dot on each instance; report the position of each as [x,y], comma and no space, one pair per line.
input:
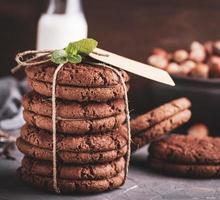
[33,58]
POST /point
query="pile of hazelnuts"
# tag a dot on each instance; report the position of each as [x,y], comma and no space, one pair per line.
[201,60]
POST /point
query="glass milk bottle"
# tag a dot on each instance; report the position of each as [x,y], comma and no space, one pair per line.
[63,22]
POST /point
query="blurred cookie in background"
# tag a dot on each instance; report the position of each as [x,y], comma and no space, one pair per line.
[195,155]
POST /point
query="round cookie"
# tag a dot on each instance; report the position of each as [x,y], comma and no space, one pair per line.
[67,186]
[69,156]
[68,109]
[184,170]
[81,74]
[183,149]
[160,129]
[88,143]
[74,126]
[159,114]
[77,172]
[81,94]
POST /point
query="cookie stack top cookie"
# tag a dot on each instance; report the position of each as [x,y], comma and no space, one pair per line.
[82,74]
[78,82]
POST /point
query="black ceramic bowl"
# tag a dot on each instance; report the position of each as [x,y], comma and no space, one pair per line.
[204,94]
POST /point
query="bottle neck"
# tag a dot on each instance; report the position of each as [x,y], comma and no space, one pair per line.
[64,7]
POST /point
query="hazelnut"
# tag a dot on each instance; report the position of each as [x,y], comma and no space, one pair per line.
[197,52]
[209,47]
[173,68]
[197,55]
[180,55]
[198,130]
[216,47]
[201,70]
[214,60]
[158,61]
[214,63]
[196,45]
[187,66]
[159,52]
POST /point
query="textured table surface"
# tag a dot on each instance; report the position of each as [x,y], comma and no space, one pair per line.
[141,184]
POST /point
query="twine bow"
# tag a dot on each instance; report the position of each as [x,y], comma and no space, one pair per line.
[33,58]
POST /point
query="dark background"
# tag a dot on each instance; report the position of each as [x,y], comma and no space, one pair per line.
[127,27]
[130,28]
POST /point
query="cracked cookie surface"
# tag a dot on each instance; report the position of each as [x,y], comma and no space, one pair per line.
[80,94]
[67,186]
[73,171]
[76,74]
[158,130]
[69,156]
[183,149]
[75,126]
[89,143]
[159,114]
[72,109]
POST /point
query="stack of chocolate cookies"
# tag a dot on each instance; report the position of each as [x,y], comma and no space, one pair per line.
[92,142]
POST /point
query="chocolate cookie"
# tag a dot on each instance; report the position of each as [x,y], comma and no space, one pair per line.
[159,129]
[89,143]
[76,74]
[67,186]
[69,156]
[68,109]
[185,170]
[73,126]
[80,94]
[159,114]
[183,149]
[77,172]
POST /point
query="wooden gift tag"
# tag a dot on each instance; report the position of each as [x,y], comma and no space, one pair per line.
[132,66]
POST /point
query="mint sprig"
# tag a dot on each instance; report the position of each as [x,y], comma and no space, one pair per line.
[74,52]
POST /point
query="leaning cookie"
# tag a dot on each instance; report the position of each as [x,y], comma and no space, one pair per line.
[81,94]
[75,126]
[86,143]
[182,149]
[69,156]
[159,114]
[68,186]
[184,170]
[82,74]
[73,171]
[164,119]
[160,129]
[42,105]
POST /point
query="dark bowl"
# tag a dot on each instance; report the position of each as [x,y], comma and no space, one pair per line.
[204,94]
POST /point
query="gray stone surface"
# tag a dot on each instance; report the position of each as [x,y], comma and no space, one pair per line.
[141,184]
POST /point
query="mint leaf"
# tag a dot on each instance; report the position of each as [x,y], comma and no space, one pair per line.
[71,50]
[84,46]
[59,57]
[74,52]
[75,59]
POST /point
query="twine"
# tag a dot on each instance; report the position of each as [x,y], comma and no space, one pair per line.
[41,57]
[55,185]
[45,57]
